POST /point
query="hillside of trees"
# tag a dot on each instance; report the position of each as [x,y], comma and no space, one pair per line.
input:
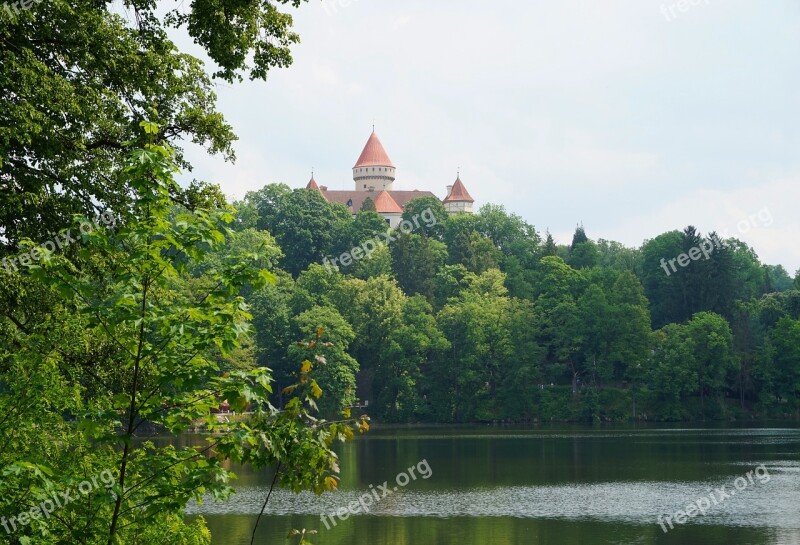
[483,318]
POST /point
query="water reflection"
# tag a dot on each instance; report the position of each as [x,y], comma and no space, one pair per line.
[540,486]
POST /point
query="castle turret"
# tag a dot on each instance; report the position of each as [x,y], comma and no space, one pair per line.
[374,170]
[312,184]
[458,198]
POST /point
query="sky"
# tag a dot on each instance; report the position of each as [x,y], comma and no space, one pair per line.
[631,117]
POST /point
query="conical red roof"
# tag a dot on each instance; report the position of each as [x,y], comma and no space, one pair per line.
[312,184]
[373,155]
[385,204]
[459,193]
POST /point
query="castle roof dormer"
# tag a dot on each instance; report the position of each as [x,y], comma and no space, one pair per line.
[385,204]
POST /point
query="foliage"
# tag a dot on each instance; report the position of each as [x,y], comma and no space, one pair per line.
[140,352]
[78,77]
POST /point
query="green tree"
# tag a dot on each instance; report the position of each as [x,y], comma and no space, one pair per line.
[785,340]
[476,325]
[509,232]
[584,255]
[579,237]
[335,369]
[672,370]
[141,351]
[549,248]
[413,348]
[368,205]
[615,256]
[658,278]
[713,352]
[433,216]
[304,224]
[416,261]
[362,233]
[377,263]
[779,277]
[74,93]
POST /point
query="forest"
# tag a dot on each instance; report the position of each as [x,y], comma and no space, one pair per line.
[134,305]
[474,318]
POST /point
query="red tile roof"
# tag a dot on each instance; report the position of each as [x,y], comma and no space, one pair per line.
[374,155]
[385,204]
[459,193]
[354,199]
[312,184]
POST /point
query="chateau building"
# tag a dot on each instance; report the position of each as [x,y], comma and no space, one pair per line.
[373,175]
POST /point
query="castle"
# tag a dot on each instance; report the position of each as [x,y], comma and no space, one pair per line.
[374,173]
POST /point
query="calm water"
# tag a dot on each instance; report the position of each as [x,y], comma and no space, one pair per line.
[540,486]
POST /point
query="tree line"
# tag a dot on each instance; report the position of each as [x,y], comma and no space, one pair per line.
[480,318]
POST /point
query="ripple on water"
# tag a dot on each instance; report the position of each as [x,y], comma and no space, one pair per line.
[774,504]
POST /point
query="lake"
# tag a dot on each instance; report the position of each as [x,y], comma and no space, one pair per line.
[544,485]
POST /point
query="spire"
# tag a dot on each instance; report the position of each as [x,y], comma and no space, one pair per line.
[374,155]
[459,193]
[312,184]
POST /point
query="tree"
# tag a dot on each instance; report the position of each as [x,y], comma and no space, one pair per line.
[549,248]
[779,277]
[141,351]
[271,307]
[374,309]
[583,255]
[416,261]
[476,325]
[579,237]
[432,213]
[335,369]
[360,232]
[413,348]
[304,224]
[672,371]
[368,205]
[521,375]
[618,257]
[378,263]
[658,278]
[713,352]
[785,340]
[74,93]
[509,233]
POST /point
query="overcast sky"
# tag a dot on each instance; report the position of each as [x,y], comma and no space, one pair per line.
[630,116]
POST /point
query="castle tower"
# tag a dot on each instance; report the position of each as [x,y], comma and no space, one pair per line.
[312,184]
[373,170]
[458,198]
